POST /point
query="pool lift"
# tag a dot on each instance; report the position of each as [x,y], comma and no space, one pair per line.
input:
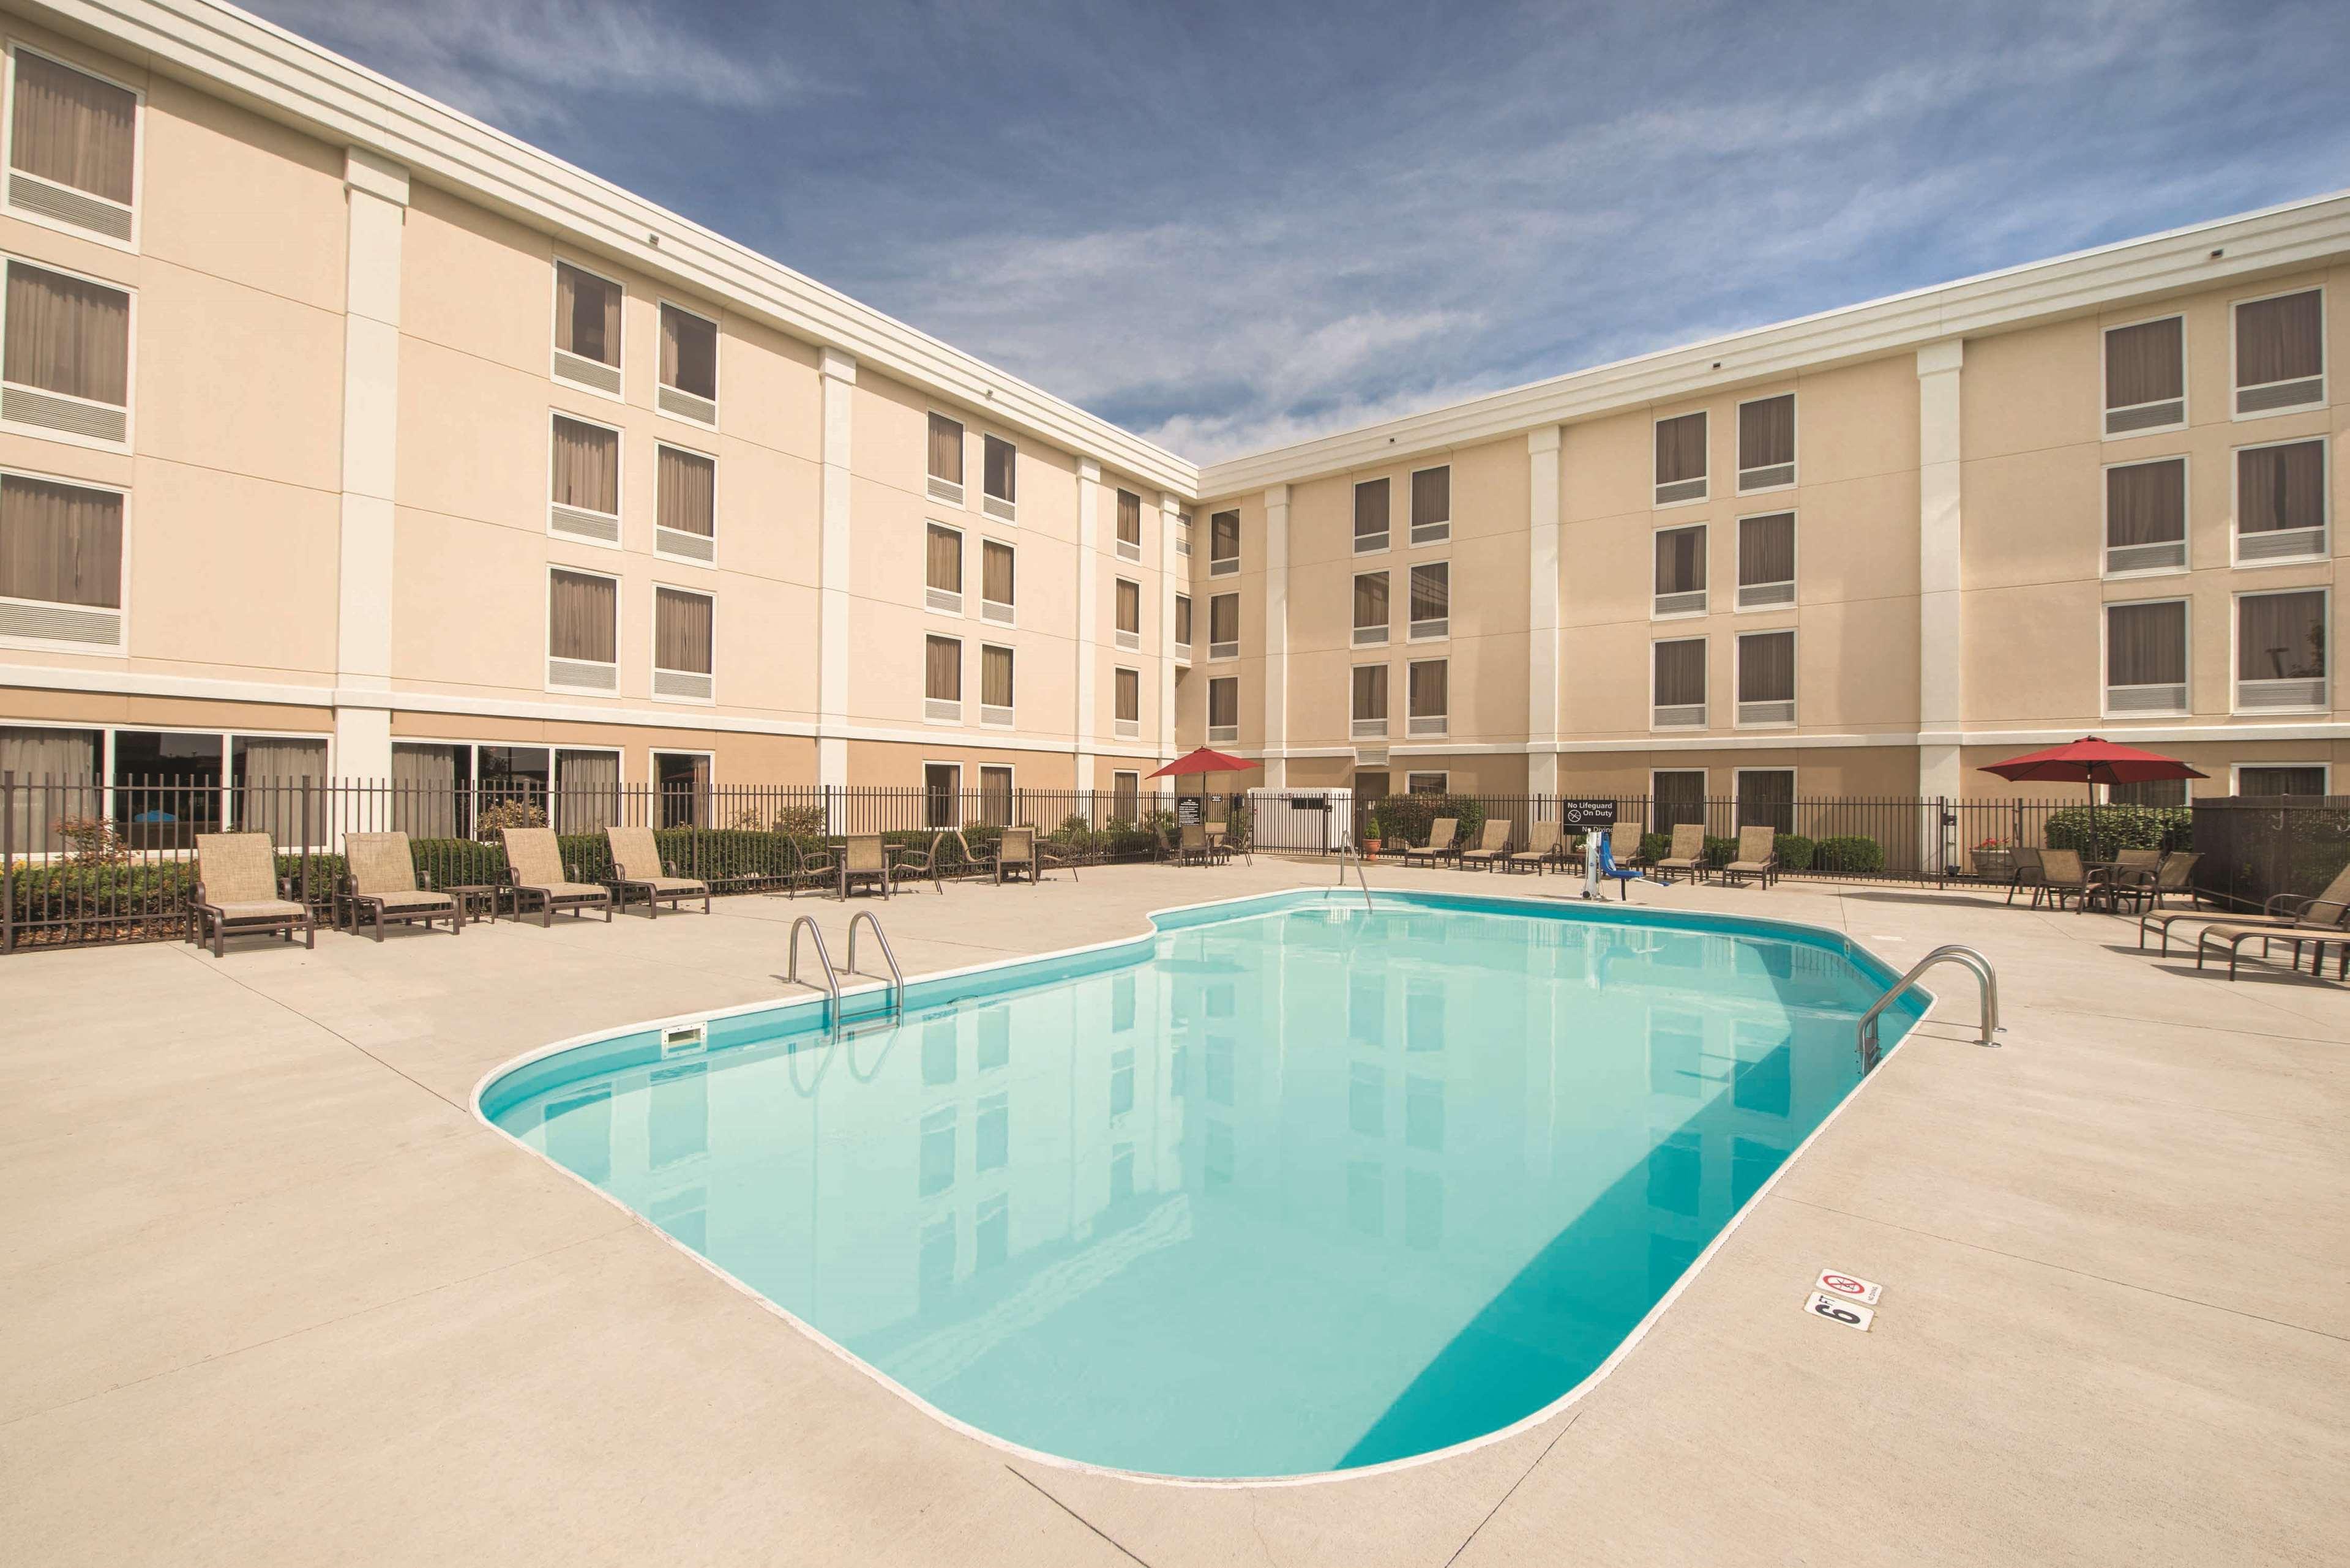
[1599,860]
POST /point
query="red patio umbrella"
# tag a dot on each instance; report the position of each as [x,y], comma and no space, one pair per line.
[1205,761]
[2093,761]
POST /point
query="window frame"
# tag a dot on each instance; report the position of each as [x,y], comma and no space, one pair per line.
[1738,433]
[618,541]
[1738,680]
[929,714]
[2105,409]
[1126,549]
[1227,732]
[1225,566]
[653,644]
[963,550]
[1704,482]
[106,788]
[2323,442]
[2106,608]
[1705,721]
[1115,789]
[1443,777]
[1011,618]
[1011,789]
[138,153]
[129,363]
[1383,634]
[122,610]
[654,754]
[2325,369]
[2236,774]
[1002,508]
[1184,620]
[2236,598]
[2187,517]
[547,655]
[1438,532]
[1121,728]
[1738,790]
[955,795]
[1128,640]
[1737,544]
[716,467]
[717,362]
[1704,796]
[1011,711]
[1385,538]
[1233,647]
[1438,723]
[1412,634]
[1705,560]
[935,486]
[553,330]
[1377,729]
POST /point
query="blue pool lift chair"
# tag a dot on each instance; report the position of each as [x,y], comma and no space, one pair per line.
[1610,865]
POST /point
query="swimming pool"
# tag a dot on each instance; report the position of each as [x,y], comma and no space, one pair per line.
[1287,1188]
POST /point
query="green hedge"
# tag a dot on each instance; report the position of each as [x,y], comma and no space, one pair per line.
[2112,828]
[1851,854]
[1717,853]
[1795,851]
[1409,817]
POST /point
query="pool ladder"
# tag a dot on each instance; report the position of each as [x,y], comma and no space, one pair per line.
[897,991]
[1966,958]
[1347,850]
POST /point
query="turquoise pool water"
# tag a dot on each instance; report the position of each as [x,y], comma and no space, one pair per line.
[1287,1187]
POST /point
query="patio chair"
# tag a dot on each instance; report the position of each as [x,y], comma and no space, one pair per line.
[2029,873]
[1191,844]
[2138,875]
[1439,845]
[379,885]
[1686,858]
[239,893]
[1053,856]
[863,858]
[637,864]
[1542,848]
[2063,877]
[1756,857]
[905,860]
[1491,847]
[815,866]
[535,867]
[2330,908]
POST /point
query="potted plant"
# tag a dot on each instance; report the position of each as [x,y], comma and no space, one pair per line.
[1994,859]
[1371,831]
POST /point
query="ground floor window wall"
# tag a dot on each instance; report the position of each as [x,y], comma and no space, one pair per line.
[466,789]
[158,788]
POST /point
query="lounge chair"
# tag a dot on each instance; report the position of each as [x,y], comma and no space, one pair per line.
[1491,847]
[379,885]
[1686,855]
[535,869]
[239,893]
[1756,857]
[1542,848]
[2029,873]
[637,866]
[863,858]
[2232,936]
[1439,848]
[2330,908]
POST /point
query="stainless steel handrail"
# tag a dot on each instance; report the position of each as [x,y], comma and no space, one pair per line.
[896,975]
[831,980]
[1346,848]
[1986,977]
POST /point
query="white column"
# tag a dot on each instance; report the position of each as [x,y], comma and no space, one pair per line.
[376,197]
[1277,636]
[1170,583]
[839,374]
[1941,670]
[1088,610]
[1542,611]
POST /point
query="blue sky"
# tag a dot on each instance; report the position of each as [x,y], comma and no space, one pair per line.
[1233,226]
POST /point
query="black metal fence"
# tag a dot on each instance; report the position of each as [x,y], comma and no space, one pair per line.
[2253,848]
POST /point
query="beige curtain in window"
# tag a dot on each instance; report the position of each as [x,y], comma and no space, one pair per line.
[586,790]
[424,790]
[580,614]
[1224,619]
[2146,504]
[2278,340]
[682,631]
[66,336]
[1431,591]
[689,352]
[1130,695]
[1766,433]
[1431,497]
[1681,673]
[1224,702]
[73,129]
[1224,536]
[688,492]
[1130,516]
[942,668]
[586,466]
[1371,691]
[1681,560]
[1680,449]
[268,788]
[57,777]
[995,797]
[1125,796]
[1370,508]
[996,677]
[2145,364]
[587,314]
[1370,599]
[942,562]
[2281,487]
[1130,606]
[1766,549]
[1680,797]
[1001,457]
[995,572]
[1431,688]
[60,543]
[2146,645]
[946,450]
[1182,620]
[2280,637]
[1766,668]
[1767,798]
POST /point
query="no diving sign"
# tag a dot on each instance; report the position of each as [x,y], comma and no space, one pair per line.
[1848,1288]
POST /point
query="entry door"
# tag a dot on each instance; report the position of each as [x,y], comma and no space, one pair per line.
[942,782]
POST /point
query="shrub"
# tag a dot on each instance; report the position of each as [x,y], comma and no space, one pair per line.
[1408,817]
[507,814]
[1795,851]
[2111,828]
[1853,854]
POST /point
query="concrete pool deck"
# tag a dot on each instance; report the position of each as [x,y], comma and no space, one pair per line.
[273,1294]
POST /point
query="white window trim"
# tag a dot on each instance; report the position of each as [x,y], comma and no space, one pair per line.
[1704,792]
[1656,642]
[1136,775]
[962,553]
[2235,636]
[1385,629]
[1442,774]
[1410,718]
[1120,633]
[619,484]
[984,542]
[131,360]
[1412,527]
[1012,788]
[1386,721]
[2186,382]
[1657,532]
[1184,600]
[547,655]
[1213,656]
[2325,369]
[2323,441]
[2105,516]
[105,734]
[653,644]
[1386,536]
[1011,504]
[984,722]
[962,441]
[716,501]
[1230,733]
[2106,649]
[1228,565]
[1739,585]
[1737,786]
[962,681]
[1705,480]
[954,794]
[122,611]
[1419,639]
[1119,548]
[138,152]
[717,361]
[554,303]
[1738,680]
[474,747]
[1738,434]
[2236,772]
[1117,733]
[652,768]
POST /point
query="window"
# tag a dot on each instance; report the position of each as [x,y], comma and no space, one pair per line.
[584,480]
[2146,516]
[166,787]
[1183,620]
[1427,783]
[683,643]
[995,582]
[2153,792]
[2145,657]
[685,520]
[1766,443]
[1182,533]
[1678,696]
[946,459]
[1370,516]
[2145,377]
[586,330]
[67,360]
[1128,713]
[689,366]
[942,795]
[1371,609]
[1371,783]
[1224,709]
[2276,781]
[1767,798]
[1766,677]
[995,797]
[268,776]
[942,569]
[1224,627]
[583,620]
[1130,526]
[1129,614]
[942,679]
[1430,697]
[1432,506]
[999,474]
[2281,353]
[1675,796]
[1432,600]
[2281,650]
[682,781]
[61,563]
[994,685]
[1680,459]
[1766,561]
[1126,796]
[73,148]
[1223,544]
[1680,571]
[2281,502]
[1370,700]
